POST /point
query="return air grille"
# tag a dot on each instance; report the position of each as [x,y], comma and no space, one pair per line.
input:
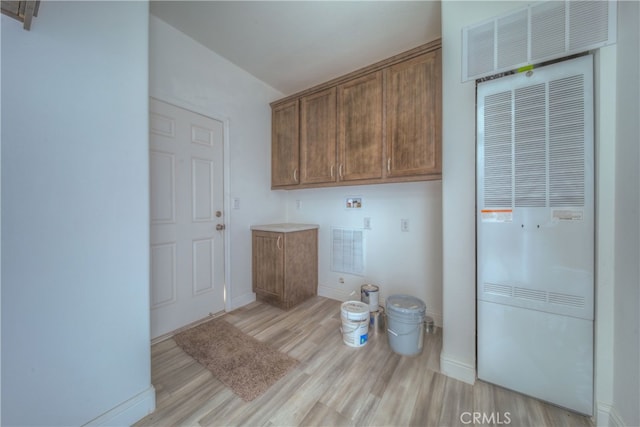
[347,250]
[540,32]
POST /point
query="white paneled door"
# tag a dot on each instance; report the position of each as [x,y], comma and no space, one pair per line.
[187,217]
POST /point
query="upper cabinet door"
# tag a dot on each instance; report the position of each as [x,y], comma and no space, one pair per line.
[318,137]
[413,116]
[285,145]
[360,128]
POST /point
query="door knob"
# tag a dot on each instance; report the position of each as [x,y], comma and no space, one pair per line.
[220,227]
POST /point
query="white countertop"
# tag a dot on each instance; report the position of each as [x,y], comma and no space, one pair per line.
[285,227]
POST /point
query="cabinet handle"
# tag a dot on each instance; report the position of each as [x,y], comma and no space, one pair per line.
[295,174]
[332,171]
[340,170]
[389,164]
[278,242]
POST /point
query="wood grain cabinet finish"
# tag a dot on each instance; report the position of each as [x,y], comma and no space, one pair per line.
[375,125]
[285,266]
[413,116]
[285,145]
[318,137]
[360,128]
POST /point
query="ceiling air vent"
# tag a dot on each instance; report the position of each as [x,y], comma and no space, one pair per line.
[540,32]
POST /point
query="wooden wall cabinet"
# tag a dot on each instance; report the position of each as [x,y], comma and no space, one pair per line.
[413,116]
[360,128]
[285,144]
[285,263]
[376,125]
[318,137]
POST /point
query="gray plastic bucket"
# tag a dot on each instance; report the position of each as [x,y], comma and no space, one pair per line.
[405,324]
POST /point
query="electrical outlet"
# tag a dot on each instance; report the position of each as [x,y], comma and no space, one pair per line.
[404,225]
[367,223]
[298,204]
[236,203]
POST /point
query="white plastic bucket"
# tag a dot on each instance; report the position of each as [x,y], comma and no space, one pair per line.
[355,323]
[369,295]
[405,324]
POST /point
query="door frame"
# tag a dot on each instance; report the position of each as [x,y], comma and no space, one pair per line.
[185,105]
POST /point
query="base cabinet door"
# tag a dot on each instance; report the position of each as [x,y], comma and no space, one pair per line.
[268,263]
[285,266]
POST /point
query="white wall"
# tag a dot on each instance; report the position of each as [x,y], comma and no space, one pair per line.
[399,262]
[187,74]
[184,72]
[626,381]
[458,357]
[75,240]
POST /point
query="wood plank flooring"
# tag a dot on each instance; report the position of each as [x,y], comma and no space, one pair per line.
[335,385]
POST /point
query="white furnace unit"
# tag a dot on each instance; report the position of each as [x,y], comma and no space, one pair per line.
[535,225]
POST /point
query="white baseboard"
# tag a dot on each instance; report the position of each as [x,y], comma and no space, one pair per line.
[437,318]
[607,416]
[457,370]
[128,412]
[336,294]
[242,300]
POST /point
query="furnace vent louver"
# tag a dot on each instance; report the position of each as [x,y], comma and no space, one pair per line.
[534,146]
[541,32]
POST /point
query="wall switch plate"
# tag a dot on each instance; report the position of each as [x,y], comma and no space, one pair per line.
[404,225]
[367,223]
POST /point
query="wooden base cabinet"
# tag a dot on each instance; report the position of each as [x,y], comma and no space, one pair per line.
[285,263]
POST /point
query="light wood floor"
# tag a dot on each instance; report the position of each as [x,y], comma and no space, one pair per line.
[335,385]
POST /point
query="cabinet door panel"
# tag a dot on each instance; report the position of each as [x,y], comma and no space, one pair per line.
[413,116]
[318,137]
[360,128]
[285,144]
[268,263]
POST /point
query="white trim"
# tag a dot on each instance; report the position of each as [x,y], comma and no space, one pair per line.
[193,324]
[608,416]
[164,97]
[457,370]
[129,411]
[437,318]
[242,300]
[335,293]
[227,216]
[615,420]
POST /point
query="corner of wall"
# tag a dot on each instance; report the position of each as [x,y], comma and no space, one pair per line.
[129,411]
[457,370]
[607,416]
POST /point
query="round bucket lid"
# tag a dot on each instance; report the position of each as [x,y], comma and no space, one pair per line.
[405,304]
[354,310]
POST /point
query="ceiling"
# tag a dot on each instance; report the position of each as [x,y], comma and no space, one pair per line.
[294,45]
